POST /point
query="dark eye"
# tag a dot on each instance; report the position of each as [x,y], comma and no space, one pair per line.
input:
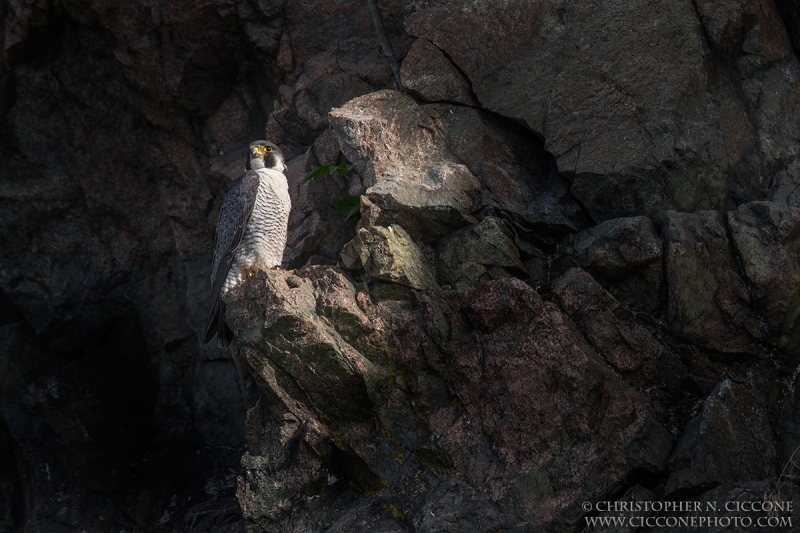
[269,148]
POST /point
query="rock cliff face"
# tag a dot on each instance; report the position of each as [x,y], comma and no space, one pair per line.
[573,278]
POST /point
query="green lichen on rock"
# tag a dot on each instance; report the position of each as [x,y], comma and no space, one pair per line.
[344,308]
[390,255]
[434,462]
[708,302]
[395,511]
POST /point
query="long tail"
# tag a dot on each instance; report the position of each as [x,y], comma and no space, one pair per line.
[216,325]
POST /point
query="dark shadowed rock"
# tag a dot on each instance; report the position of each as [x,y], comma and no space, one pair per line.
[85,422]
[729,24]
[615,334]
[731,441]
[766,238]
[708,303]
[518,177]
[789,427]
[624,255]
[221,515]
[110,116]
[789,12]
[477,253]
[772,90]
[785,187]
[429,75]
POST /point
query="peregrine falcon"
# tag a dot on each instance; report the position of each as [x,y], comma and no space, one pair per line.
[251,232]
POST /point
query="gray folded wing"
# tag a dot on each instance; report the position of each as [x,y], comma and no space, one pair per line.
[234,215]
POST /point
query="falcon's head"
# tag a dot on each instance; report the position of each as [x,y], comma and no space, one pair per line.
[264,154]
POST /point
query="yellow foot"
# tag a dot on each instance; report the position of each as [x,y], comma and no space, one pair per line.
[249,272]
[273,268]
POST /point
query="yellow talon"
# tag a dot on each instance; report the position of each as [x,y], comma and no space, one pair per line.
[249,272]
[273,268]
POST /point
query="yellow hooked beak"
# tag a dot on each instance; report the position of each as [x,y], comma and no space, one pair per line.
[261,151]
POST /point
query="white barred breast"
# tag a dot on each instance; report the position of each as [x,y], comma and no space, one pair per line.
[264,238]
